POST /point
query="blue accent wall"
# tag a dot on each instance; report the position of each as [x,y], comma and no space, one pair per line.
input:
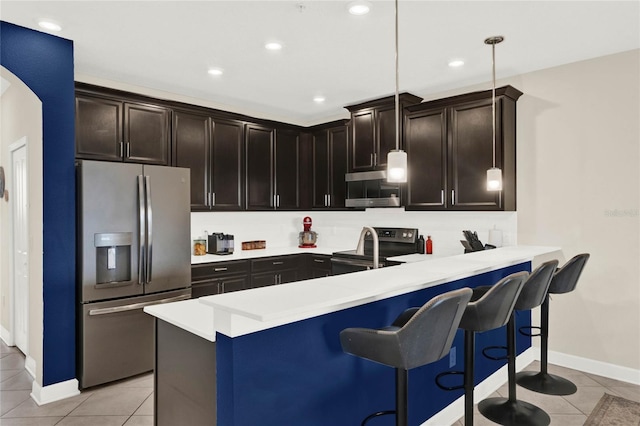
[45,64]
[297,374]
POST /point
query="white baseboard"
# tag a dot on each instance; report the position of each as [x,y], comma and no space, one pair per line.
[6,336]
[30,366]
[451,413]
[44,395]
[612,371]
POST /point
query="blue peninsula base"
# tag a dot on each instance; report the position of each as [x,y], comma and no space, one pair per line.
[297,374]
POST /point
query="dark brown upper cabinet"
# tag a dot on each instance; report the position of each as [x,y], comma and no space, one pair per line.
[449,144]
[211,148]
[115,129]
[272,168]
[373,131]
[330,162]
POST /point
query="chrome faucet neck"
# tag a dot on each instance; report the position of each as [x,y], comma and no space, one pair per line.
[376,244]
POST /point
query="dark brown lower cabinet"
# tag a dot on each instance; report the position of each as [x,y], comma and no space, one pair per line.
[219,277]
[319,265]
[185,377]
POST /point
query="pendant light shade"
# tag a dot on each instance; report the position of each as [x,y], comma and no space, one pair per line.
[397,159]
[494,174]
[494,179]
[397,166]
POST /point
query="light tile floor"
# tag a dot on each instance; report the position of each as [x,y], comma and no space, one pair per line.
[570,410]
[124,403]
[130,402]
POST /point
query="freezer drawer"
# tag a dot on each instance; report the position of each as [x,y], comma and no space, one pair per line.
[116,338]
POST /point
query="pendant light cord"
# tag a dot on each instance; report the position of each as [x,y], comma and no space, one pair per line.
[493,100]
[397,97]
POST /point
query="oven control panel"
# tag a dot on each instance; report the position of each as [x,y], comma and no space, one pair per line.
[399,235]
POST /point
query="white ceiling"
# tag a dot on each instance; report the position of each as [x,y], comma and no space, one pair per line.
[169,45]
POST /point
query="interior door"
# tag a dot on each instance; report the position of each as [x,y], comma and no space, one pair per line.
[20,213]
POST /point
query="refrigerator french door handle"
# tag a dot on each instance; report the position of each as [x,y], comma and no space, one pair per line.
[141,227]
[147,181]
[134,306]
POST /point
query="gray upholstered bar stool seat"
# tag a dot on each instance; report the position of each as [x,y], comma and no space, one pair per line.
[511,411]
[563,281]
[423,338]
[492,309]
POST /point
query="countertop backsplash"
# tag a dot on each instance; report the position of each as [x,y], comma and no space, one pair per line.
[342,228]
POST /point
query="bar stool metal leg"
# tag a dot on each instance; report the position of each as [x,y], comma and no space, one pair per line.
[511,411]
[542,381]
[469,373]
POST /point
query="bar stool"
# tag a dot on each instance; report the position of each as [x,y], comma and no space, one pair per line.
[563,281]
[487,311]
[423,338]
[511,411]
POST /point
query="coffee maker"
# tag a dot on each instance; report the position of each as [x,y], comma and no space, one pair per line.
[307,238]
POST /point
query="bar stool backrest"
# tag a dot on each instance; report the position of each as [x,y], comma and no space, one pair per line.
[566,279]
[494,308]
[425,338]
[536,286]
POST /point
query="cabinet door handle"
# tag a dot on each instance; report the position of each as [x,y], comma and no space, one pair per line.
[277,263]
[278,200]
[375,158]
[213,199]
[318,260]
[121,149]
[128,150]
[328,200]
[219,269]
[223,289]
[371,159]
[442,196]
[453,197]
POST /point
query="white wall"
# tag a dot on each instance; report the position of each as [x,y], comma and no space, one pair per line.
[21,115]
[578,188]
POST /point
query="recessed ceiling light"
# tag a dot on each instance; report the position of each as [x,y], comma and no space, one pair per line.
[273,45]
[215,71]
[359,7]
[319,99]
[456,63]
[49,25]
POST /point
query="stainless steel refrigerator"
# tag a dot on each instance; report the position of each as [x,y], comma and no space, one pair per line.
[133,251]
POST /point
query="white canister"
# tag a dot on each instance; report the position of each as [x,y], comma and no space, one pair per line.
[495,237]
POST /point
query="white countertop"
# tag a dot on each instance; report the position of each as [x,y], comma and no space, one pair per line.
[190,315]
[239,313]
[252,254]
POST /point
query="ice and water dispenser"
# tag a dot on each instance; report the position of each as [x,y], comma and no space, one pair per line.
[113,257]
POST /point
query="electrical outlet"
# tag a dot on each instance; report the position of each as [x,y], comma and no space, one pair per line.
[452,357]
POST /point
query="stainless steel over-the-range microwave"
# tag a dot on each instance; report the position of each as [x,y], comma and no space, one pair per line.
[371,189]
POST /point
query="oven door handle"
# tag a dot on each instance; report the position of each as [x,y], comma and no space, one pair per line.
[134,306]
[355,262]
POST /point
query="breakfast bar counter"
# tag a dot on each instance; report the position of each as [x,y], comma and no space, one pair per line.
[278,358]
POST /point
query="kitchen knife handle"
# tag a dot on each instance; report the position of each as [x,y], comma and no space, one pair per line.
[142,239]
[147,181]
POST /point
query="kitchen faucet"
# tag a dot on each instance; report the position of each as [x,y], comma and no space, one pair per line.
[360,248]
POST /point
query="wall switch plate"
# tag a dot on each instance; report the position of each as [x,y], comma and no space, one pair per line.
[452,357]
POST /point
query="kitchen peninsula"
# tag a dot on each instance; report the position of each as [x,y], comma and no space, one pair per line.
[272,355]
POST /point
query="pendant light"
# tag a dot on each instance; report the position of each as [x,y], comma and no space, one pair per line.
[397,159]
[494,174]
